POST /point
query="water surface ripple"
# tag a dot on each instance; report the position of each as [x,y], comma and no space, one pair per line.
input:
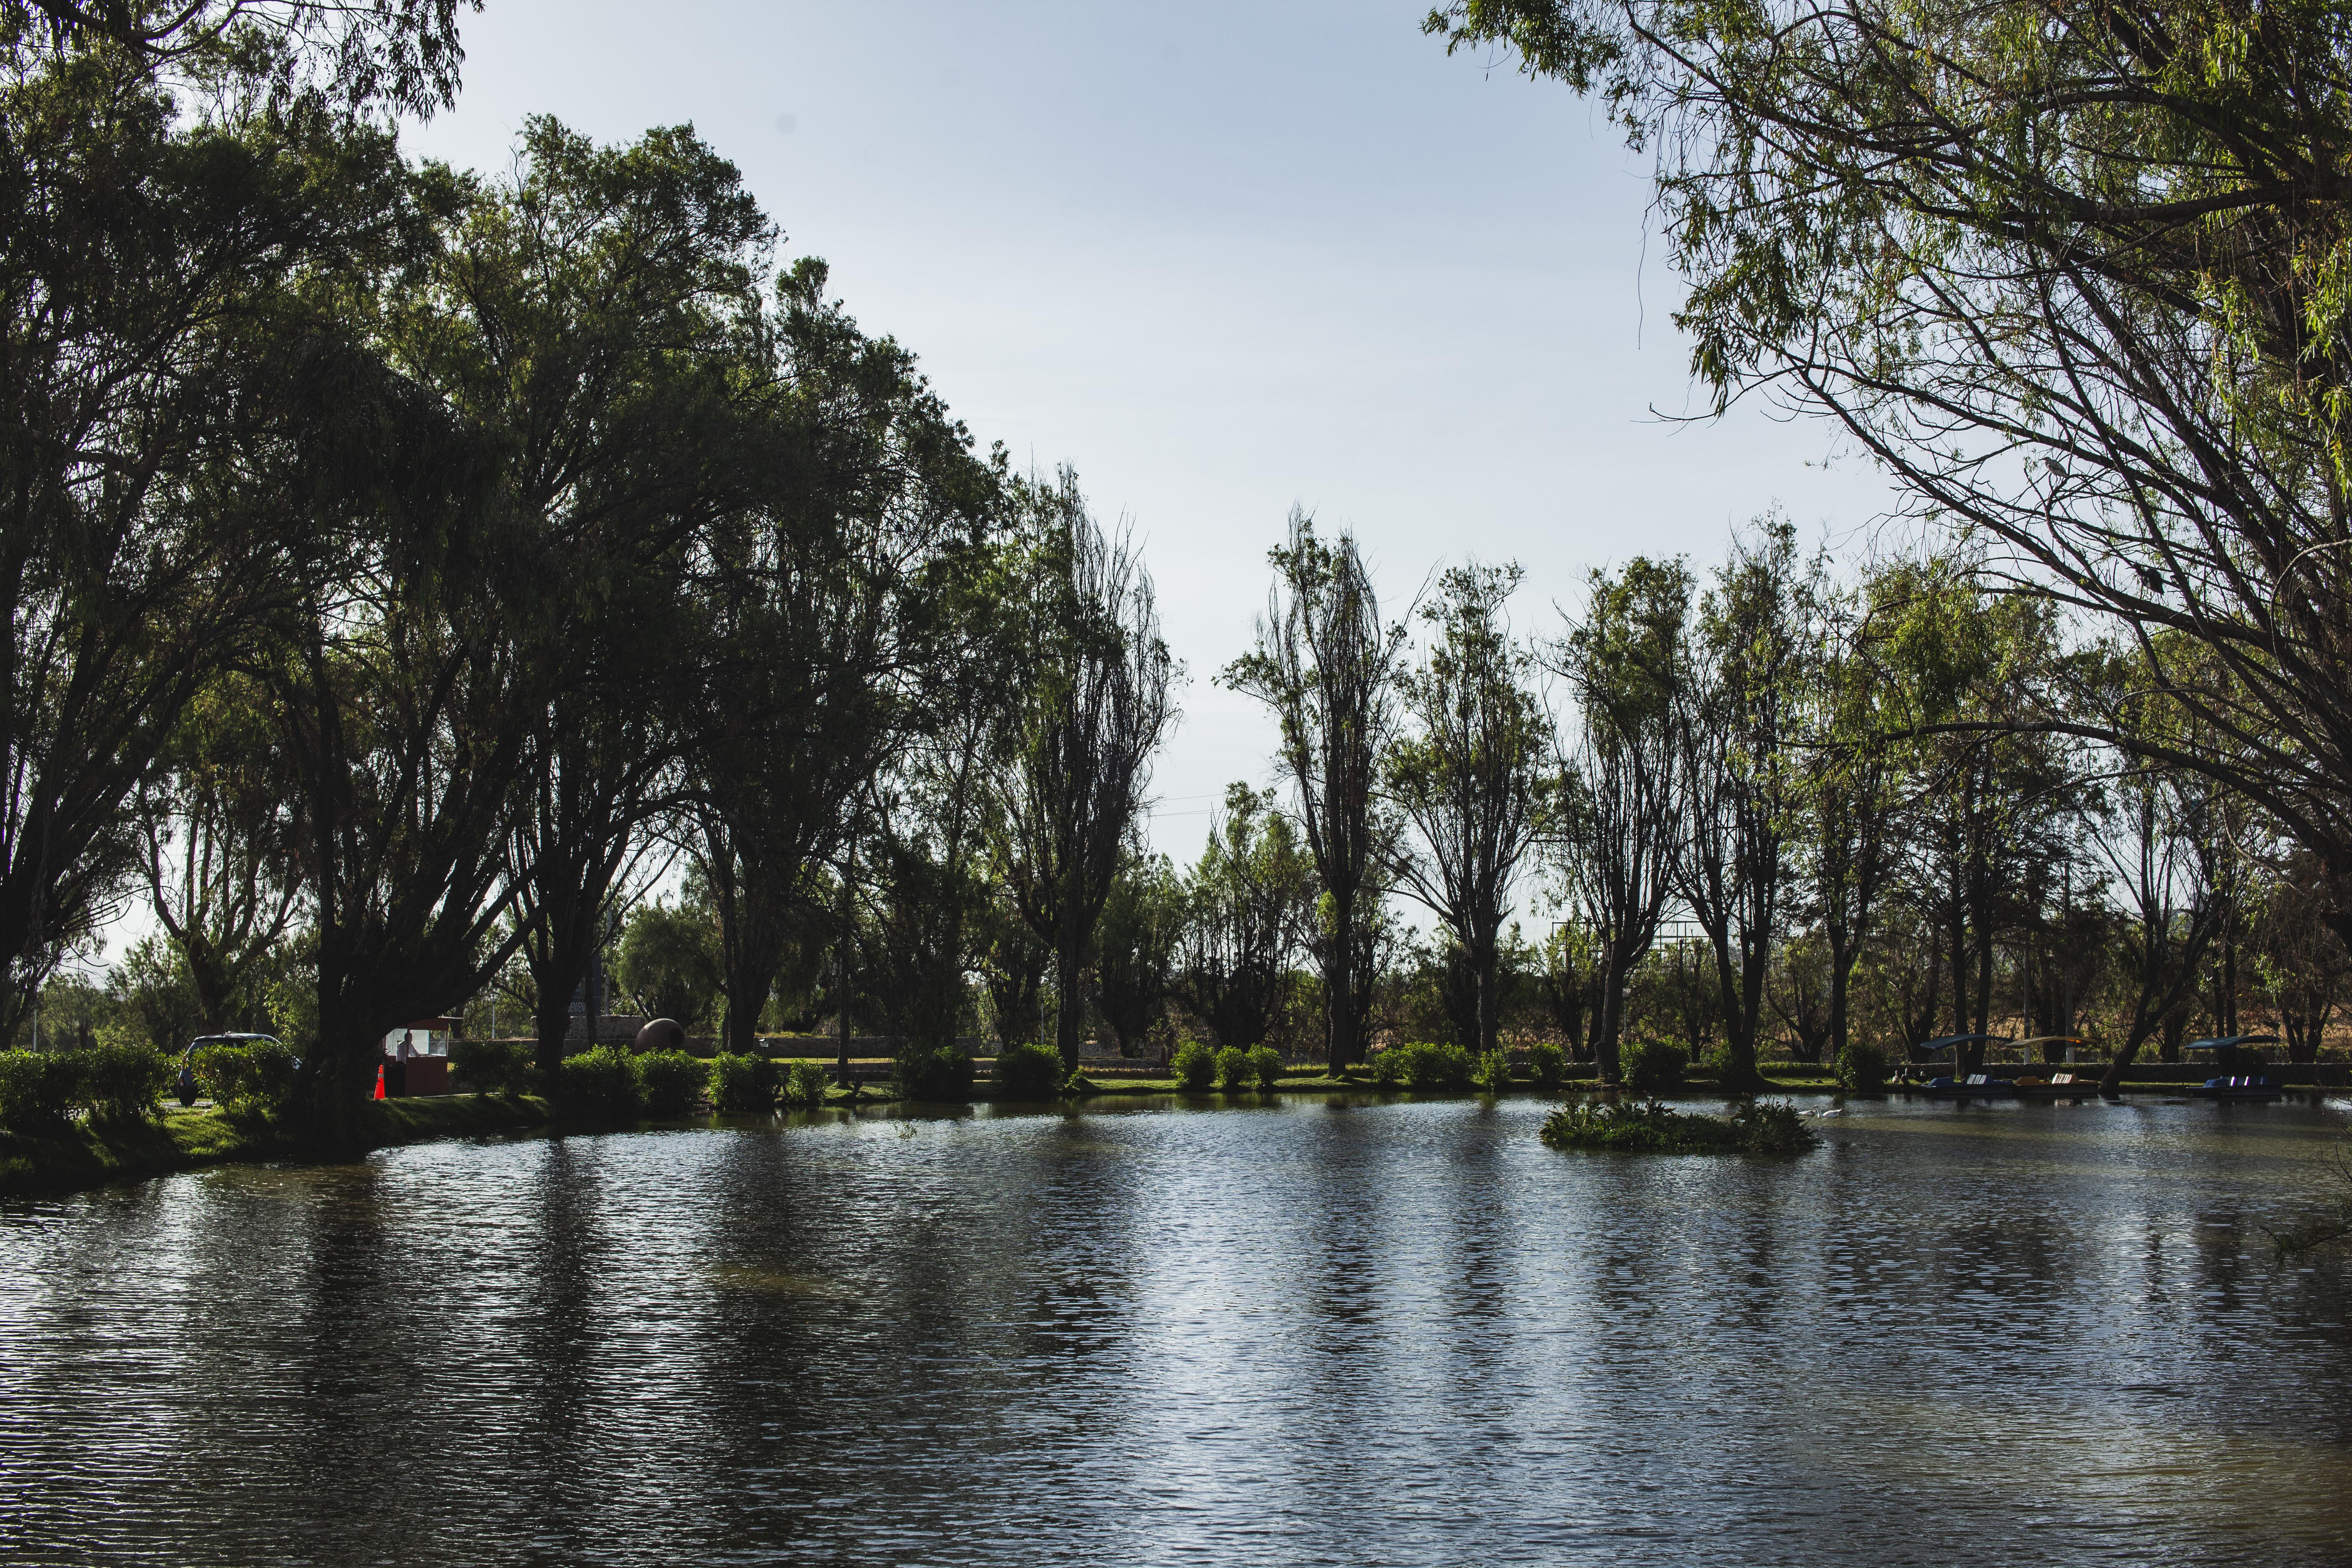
[1309,1331]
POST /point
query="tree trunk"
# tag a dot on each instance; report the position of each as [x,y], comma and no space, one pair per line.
[551,1017]
[334,1094]
[1338,976]
[1483,956]
[1611,1016]
[1069,1011]
[1840,972]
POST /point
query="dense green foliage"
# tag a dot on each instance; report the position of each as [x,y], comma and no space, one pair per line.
[114,1081]
[1862,1069]
[671,1083]
[124,1080]
[805,1083]
[1424,1065]
[38,1092]
[601,1082]
[1029,1072]
[491,1067]
[1655,1067]
[1648,1128]
[1546,1064]
[1194,1065]
[942,1073]
[398,556]
[258,1075]
[743,1086]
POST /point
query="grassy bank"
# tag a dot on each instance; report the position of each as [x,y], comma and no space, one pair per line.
[88,1154]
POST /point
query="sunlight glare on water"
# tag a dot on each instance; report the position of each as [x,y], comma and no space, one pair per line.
[1313,1331]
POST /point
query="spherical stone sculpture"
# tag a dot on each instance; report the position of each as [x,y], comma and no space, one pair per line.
[661,1034]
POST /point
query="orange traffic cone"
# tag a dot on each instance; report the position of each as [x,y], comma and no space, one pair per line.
[379,1080]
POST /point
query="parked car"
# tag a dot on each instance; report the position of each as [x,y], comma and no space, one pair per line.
[187,1080]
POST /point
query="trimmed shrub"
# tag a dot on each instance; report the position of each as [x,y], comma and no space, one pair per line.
[1195,1067]
[1265,1066]
[38,1089]
[492,1066]
[1232,1069]
[1862,1069]
[939,1073]
[255,1076]
[1424,1065]
[1492,1072]
[601,1082]
[1428,1066]
[1653,1067]
[1546,1064]
[805,1082]
[670,1083]
[124,1081]
[742,1086]
[1028,1072]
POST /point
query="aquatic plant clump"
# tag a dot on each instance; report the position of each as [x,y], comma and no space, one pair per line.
[1649,1128]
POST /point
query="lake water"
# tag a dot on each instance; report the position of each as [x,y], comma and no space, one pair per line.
[1315,1331]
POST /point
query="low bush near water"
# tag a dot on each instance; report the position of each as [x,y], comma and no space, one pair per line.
[1546,1064]
[805,1082]
[1653,1067]
[1424,1065]
[492,1066]
[940,1073]
[122,1081]
[1862,1069]
[1195,1067]
[1028,1072]
[601,1082]
[1265,1067]
[742,1086]
[258,1075]
[1755,1128]
[1492,1072]
[1232,1069]
[670,1083]
[38,1089]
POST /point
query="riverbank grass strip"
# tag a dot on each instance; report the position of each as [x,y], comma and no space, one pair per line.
[90,1153]
[1756,1127]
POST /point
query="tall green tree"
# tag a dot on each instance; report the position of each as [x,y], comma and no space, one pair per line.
[1097,699]
[1622,822]
[221,851]
[610,331]
[166,287]
[1327,667]
[820,611]
[1138,939]
[1740,732]
[1472,775]
[1247,905]
[2075,277]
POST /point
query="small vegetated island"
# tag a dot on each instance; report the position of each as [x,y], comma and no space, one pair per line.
[1754,1127]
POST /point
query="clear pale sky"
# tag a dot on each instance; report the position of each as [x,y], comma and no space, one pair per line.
[1221,256]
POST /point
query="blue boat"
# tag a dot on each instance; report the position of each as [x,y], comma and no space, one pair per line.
[1973,1086]
[2257,1085]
